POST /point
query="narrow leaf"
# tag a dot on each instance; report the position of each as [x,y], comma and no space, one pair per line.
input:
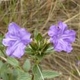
[12,61]
[39,37]
[50,74]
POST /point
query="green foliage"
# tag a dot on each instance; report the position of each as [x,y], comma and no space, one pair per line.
[20,74]
[39,47]
[36,73]
[1,53]
[5,76]
[29,50]
[27,65]
[43,74]
[8,73]
[1,37]
[1,63]
[1,46]
[4,68]
[24,76]
[12,61]
[49,50]
[50,74]
[35,33]
[38,37]
[5,71]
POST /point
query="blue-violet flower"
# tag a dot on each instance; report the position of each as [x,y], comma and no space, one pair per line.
[61,37]
[16,40]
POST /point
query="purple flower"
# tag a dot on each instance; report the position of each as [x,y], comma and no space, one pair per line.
[61,37]
[16,40]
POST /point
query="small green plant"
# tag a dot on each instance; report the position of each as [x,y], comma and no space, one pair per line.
[18,41]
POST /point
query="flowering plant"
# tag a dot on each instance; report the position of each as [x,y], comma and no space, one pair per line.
[18,41]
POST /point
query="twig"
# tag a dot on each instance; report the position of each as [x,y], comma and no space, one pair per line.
[72,18]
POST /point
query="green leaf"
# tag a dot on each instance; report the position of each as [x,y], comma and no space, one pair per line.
[1,38]
[35,32]
[24,76]
[50,74]
[15,73]
[36,73]
[5,72]
[50,50]
[12,61]
[1,63]
[39,37]
[1,46]
[5,76]
[27,65]
[45,74]
[29,49]
[18,71]
[1,53]
[4,68]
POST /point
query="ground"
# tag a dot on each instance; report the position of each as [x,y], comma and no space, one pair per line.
[41,14]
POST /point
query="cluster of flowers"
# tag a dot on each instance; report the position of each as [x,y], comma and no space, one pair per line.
[16,39]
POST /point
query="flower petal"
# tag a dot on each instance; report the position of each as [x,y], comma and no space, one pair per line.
[13,28]
[63,46]
[8,41]
[62,26]
[25,36]
[52,31]
[69,36]
[12,48]
[17,50]
[23,32]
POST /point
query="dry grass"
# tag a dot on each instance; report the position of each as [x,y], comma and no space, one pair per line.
[41,14]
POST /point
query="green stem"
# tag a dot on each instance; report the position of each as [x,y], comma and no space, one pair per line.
[3,58]
[40,73]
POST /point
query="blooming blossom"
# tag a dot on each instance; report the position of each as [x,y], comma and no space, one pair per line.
[61,37]
[16,40]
